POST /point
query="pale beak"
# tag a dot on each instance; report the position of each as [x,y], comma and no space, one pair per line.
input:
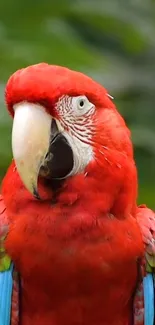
[30,141]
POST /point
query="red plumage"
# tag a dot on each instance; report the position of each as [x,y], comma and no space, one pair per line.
[78,256]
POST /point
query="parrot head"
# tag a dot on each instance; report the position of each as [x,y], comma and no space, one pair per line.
[64,124]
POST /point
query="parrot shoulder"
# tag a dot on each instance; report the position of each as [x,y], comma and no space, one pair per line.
[146,221]
[9,280]
[5,260]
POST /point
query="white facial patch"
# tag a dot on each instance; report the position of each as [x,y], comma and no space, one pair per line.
[82,153]
[76,119]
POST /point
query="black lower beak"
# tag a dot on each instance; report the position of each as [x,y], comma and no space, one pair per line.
[59,159]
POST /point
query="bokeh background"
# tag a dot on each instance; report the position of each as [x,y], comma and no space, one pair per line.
[111,40]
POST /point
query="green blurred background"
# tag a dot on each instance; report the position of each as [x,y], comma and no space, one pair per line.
[111,40]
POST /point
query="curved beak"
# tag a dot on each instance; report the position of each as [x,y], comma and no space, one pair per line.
[30,142]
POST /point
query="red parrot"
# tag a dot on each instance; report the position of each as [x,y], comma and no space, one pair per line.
[74,231]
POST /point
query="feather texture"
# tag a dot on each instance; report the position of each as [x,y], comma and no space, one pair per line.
[77,254]
[5,264]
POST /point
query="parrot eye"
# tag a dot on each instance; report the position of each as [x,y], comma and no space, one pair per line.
[81,105]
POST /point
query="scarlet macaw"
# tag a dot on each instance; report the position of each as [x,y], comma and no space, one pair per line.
[68,212]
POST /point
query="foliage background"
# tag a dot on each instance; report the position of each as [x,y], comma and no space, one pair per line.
[110,40]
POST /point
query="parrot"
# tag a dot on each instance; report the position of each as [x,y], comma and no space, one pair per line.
[69,218]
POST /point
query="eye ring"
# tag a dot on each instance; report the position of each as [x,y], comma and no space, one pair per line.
[81,105]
